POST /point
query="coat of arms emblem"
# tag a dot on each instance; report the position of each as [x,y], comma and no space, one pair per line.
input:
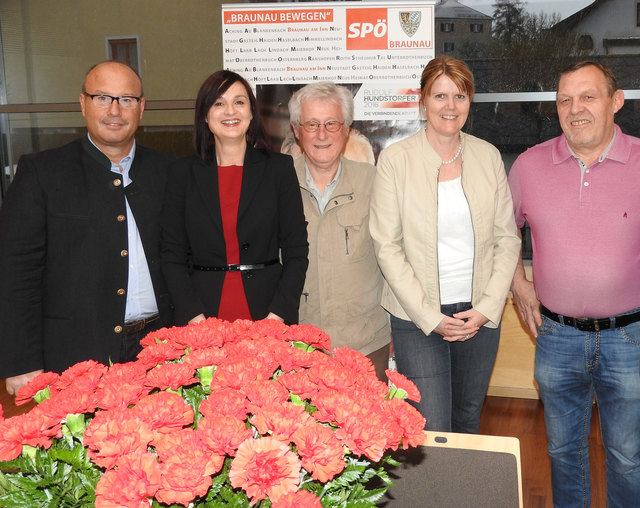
[410,21]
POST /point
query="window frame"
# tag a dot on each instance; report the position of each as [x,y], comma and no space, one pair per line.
[444,25]
[110,41]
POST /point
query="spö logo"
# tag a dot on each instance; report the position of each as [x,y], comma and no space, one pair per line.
[366,28]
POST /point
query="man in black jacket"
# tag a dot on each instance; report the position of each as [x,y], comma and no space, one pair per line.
[80,272]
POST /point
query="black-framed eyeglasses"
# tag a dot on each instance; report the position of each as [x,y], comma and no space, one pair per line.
[101,100]
[330,126]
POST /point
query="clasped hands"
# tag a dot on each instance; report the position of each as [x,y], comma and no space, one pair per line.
[462,326]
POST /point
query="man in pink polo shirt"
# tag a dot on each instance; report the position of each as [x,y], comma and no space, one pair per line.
[580,194]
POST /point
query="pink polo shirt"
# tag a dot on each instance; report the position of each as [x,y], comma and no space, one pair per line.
[585,229]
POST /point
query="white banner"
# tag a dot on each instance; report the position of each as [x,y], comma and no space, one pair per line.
[380,48]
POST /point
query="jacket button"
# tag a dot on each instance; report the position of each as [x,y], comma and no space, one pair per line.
[245,246]
[124,253]
[117,182]
[121,291]
[118,329]
[249,274]
[121,218]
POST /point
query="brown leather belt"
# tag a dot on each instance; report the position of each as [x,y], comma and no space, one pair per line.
[591,324]
[235,268]
[136,326]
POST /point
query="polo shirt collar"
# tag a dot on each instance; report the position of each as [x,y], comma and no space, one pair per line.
[618,149]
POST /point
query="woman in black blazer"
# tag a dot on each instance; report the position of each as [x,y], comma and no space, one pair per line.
[234,238]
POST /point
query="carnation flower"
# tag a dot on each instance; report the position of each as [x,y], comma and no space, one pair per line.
[170,376]
[226,401]
[186,446]
[27,429]
[181,482]
[84,376]
[353,360]
[270,416]
[262,392]
[309,335]
[38,383]
[409,421]
[65,402]
[205,357]
[196,336]
[157,353]
[121,385]
[136,479]
[280,420]
[235,374]
[223,434]
[362,438]
[117,435]
[332,376]
[299,384]
[321,451]
[165,412]
[405,388]
[265,467]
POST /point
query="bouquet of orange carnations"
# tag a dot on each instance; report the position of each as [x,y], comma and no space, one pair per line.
[213,414]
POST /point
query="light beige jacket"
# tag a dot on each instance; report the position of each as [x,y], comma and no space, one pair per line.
[343,285]
[404,219]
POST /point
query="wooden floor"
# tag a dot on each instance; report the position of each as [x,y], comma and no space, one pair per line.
[524,419]
[521,418]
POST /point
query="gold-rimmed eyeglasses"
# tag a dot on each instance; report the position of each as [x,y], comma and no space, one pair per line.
[330,126]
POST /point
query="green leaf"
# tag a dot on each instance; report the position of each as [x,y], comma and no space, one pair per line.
[193,396]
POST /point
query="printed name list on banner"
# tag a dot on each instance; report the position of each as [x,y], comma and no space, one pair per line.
[381,48]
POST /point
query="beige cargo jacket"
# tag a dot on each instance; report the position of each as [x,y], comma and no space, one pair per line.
[343,286]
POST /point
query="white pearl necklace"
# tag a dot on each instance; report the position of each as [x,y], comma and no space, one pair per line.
[455,156]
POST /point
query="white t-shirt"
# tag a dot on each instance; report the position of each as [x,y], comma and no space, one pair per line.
[455,243]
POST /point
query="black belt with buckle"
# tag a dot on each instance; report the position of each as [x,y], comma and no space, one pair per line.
[235,268]
[591,324]
[136,326]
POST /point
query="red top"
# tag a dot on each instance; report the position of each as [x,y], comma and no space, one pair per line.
[233,301]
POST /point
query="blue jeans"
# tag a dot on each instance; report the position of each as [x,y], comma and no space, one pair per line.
[452,377]
[571,367]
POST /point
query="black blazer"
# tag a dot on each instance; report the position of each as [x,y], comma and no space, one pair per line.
[270,224]
[62,237]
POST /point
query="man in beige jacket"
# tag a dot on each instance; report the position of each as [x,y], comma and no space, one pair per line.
[343,284]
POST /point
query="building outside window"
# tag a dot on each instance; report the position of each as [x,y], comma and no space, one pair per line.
[446,27]
[449,47]
[476,28]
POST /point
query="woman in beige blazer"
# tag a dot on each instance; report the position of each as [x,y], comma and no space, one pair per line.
[447,244]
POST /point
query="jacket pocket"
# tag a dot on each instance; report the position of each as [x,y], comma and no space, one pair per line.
[354,228]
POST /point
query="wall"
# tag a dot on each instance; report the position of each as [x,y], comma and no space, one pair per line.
[46,57]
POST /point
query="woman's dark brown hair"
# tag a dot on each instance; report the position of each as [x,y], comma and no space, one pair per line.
[212,88]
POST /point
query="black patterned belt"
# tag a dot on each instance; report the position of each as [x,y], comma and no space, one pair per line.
[136,326]
[591,324]
[235,268]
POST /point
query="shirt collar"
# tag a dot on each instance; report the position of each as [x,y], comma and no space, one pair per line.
[330,186]
[604,153]
[126,161]
[617,149]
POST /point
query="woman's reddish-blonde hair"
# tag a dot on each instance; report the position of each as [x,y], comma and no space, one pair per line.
[456,70]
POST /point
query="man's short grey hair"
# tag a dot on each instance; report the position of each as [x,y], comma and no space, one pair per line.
[325,90]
